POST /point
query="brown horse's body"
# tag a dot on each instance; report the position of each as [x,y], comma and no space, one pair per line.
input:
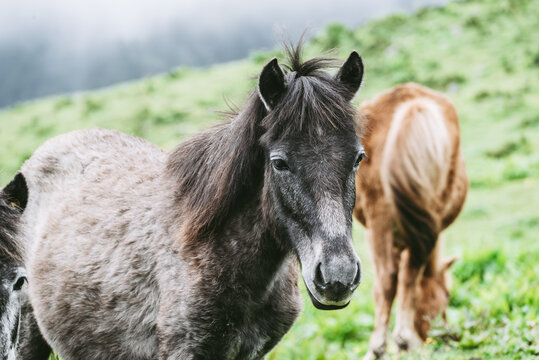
[412,186]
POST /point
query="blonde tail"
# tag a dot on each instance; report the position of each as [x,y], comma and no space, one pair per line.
[414,170]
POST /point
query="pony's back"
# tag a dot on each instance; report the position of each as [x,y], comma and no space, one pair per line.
[414,139]
[411,187]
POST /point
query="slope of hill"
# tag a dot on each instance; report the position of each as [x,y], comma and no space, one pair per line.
[484,54]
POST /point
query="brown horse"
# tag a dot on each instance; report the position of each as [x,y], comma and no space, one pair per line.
[411,187]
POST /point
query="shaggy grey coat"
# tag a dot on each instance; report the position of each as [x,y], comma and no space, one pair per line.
[134,253]
[116,263]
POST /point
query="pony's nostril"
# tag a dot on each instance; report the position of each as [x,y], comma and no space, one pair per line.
[318,277]
[357,279]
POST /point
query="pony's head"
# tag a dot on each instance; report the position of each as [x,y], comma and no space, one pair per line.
[12,274]
[312,152]
[432,296]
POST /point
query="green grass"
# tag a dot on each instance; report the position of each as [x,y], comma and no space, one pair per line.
[485,56]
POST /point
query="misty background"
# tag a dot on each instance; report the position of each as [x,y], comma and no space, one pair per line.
[60,46]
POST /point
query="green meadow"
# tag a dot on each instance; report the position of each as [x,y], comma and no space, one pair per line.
[484,54]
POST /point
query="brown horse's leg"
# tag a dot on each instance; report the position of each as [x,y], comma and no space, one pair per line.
[405,334]
[385,259]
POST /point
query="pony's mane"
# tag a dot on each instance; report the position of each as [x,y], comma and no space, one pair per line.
[221,169]
[10,214]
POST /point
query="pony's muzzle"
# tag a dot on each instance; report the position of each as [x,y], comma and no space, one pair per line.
[335,280]
[338,281]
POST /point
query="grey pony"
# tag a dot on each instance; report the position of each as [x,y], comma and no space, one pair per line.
[137,253]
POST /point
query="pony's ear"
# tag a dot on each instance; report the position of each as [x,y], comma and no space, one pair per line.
[351,74]
[446,263]
[271,84]
[17,191]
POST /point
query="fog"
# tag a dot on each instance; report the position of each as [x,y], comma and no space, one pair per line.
[59,46]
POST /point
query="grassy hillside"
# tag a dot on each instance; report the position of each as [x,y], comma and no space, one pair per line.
[485,56]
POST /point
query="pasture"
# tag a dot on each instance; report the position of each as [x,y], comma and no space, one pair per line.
[484,55]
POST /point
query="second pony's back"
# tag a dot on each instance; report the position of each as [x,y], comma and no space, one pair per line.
[412,186]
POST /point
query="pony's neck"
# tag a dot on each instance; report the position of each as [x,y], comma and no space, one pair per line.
[246,253]
[243,247]
[218,172]
[218,177]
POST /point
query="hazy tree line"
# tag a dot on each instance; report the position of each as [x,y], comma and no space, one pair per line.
[42,62]
[36,68]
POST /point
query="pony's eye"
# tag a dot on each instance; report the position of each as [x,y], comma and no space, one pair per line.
[19,284]
[280,165]
[359,157]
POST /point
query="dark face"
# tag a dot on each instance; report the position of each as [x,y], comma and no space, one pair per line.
[12,279]
[312,187]
[312,154]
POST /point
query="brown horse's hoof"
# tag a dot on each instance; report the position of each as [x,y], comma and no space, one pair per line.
[407,339]
[374,355]
[377,346]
